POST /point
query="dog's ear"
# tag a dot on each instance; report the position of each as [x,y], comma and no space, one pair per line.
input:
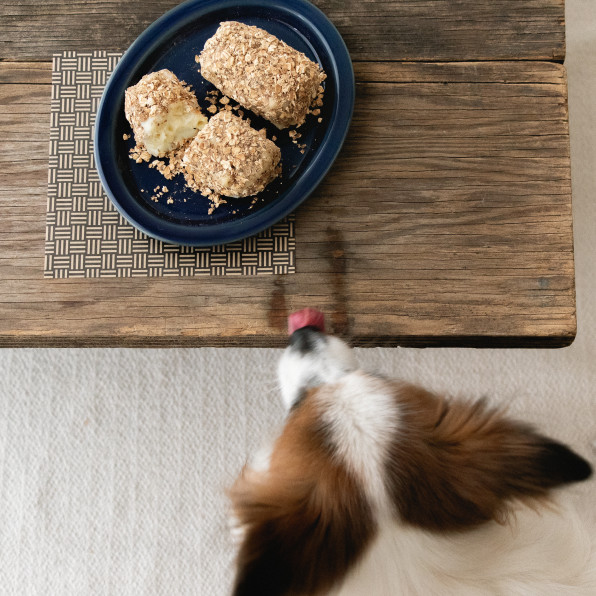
[298,544]
[306,520]
[461,464]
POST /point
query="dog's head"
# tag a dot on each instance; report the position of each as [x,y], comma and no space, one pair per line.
[358,451]
[312,359]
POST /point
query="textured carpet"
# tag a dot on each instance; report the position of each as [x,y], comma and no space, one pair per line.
[114,463]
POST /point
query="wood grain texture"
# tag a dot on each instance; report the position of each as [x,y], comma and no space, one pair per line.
[433,30]
[445,221]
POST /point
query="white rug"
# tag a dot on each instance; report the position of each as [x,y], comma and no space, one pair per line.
[113,463]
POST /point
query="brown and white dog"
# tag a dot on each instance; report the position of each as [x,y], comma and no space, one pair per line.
[379,488]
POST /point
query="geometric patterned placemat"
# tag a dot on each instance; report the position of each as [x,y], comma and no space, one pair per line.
[85,234]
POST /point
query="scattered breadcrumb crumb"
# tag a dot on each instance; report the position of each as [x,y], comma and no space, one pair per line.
[139,154]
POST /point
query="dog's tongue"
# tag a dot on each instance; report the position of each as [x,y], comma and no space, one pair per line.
[307,317]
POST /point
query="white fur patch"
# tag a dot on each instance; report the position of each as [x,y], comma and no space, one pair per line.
[261,460]
[362,415]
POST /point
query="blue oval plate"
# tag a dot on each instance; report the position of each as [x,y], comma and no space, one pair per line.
[172,42]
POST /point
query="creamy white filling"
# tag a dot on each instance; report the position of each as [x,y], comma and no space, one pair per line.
[164,132]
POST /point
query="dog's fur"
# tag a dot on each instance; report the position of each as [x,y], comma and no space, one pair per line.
[379,488]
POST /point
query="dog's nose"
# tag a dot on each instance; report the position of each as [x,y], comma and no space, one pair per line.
[305,339]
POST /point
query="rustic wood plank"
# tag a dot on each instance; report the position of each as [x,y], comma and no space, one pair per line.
[458,72]
[433,30]
[445,221]
[25,73]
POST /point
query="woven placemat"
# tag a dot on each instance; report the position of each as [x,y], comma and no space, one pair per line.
[85,234]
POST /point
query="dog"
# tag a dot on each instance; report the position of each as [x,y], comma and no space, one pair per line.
[376,487]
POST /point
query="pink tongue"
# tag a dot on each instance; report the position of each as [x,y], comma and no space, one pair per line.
[307,317]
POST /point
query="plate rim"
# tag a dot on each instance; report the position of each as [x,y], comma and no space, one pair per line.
[326,154]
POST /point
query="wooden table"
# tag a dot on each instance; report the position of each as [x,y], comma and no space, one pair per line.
[445,221]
